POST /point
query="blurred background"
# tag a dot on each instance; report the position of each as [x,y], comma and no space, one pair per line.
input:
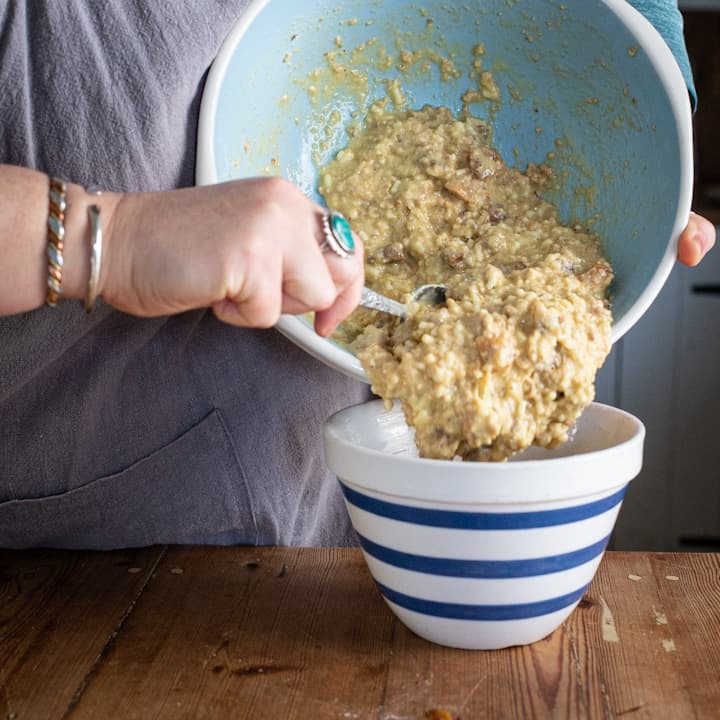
[666,370]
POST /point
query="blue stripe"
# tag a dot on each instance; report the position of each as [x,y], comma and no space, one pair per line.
[451,567]
[461,520]
[459,611]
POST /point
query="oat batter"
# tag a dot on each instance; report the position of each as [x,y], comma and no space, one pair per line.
[511,360]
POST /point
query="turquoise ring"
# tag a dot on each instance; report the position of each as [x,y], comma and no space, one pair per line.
[337,235]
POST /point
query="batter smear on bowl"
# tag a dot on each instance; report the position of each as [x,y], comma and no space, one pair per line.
[510,360]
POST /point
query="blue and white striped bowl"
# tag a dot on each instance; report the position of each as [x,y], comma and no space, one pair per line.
[482,555]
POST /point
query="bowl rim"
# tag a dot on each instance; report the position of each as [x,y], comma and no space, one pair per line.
[670,76]
[205,167]
[512,483]
[668,72]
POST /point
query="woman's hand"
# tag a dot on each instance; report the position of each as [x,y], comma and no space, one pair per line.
[696,240]
[248,248]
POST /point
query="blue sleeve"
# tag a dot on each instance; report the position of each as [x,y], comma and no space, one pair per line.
[668,21]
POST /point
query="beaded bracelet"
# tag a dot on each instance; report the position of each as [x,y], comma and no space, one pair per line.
[56,239]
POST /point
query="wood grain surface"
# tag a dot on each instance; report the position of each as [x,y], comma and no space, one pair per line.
[58,613]
[192,632]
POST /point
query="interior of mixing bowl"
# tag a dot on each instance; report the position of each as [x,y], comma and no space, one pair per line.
[372,447]
[591,83]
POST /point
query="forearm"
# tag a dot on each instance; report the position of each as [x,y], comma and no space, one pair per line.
[23,239]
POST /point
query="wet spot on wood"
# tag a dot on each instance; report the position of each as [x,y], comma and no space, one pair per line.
[438,714]
[607,623]
[261,669]
[373,669]
[633,709]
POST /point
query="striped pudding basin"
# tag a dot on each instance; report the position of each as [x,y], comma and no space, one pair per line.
[482,555]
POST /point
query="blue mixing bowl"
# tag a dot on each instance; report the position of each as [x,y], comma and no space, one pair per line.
[591,83]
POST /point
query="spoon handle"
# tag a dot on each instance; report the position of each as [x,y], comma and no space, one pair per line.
[375,301]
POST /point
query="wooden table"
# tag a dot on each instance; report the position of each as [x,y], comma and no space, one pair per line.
[189,632]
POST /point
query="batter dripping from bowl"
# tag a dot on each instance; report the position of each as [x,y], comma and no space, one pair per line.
[510,360]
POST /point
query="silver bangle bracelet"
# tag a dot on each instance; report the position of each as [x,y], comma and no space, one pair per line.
[96,239]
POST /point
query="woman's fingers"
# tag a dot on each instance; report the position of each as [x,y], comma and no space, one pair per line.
[696,240]
[308,282]
[326,321]
[349,277]
[258,304]
[334,281]
[308,287]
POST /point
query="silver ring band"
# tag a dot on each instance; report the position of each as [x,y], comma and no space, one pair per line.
[337,235]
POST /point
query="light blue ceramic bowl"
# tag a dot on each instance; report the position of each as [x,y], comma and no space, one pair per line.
[594,75]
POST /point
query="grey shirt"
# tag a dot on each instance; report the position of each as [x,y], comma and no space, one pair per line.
[115,430]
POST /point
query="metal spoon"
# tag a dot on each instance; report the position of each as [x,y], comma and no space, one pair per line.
[427,294]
